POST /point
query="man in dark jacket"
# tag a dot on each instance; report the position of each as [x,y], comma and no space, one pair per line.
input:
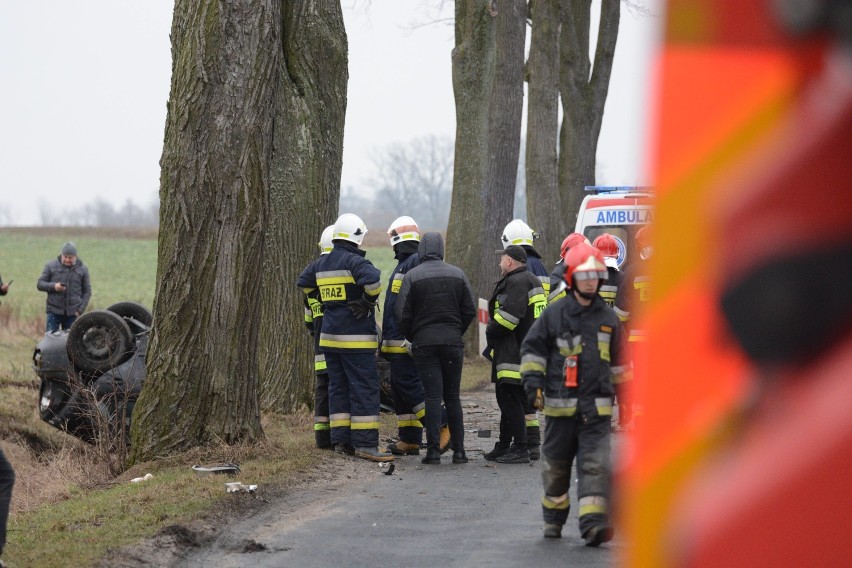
[66,281]
[570,360]
[516,302]
[434,308]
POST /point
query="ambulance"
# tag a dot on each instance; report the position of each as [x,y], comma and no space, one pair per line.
[618,210]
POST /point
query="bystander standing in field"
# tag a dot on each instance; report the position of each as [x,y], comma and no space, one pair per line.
[66,281]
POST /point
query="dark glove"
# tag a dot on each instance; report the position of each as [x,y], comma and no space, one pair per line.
[360,307]
[487,353]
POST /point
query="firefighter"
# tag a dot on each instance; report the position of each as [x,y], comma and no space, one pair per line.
[406,387]
[313,321]
[569,361]
[516,302]
[349,287]
[519,233]
[632,294]
[608,246]
[557,276]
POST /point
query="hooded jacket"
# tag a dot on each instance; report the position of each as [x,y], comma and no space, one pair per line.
[435,304]
[78,288]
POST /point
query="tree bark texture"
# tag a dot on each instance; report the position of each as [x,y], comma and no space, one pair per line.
[304,191]
[506,104]
[202,382]
[584,90]
[473,75]
[544,210]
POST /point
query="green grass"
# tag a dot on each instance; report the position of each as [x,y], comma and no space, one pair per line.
[65,512]
[120,268]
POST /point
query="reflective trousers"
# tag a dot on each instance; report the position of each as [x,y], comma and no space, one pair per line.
[353,399]
[408,398]
[564,439]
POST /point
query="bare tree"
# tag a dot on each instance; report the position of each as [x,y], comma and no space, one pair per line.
[416,179]
[202,382]
[542,75]
[304,190]
[583,87]
[506,101]
[473,75]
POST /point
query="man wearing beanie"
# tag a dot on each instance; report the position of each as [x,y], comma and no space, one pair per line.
[66,281]
[516,303]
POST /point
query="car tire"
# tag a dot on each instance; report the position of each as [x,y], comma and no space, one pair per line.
[99,341]
[137,316]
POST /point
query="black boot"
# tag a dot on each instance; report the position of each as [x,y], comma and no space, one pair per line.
[498,451]
[459,456]
[515,455]
[433,457]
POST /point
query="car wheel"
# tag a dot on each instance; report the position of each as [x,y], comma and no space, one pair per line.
[136,315]
[99,341]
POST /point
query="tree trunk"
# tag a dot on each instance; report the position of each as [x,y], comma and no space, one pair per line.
[473,74]
[544,209]
[584,90]
[202,374]
[304,191]
[506,104]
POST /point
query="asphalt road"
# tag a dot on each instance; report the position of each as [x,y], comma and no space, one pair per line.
[475,514]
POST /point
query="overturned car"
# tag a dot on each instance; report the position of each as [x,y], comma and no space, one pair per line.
[92,374]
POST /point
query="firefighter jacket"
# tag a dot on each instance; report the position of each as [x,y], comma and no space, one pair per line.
[609,288]
[537,268]
[343,276]
[632,294]
[393,341]
[313,321]
[591,333]
[557,283]
[518,299]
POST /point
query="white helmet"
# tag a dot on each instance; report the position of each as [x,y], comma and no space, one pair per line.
[517,233]
[349,227]
[325,243]
[403,229]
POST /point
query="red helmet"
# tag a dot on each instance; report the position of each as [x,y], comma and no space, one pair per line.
[584,262]
[607,244]
[643,237]
[570,241]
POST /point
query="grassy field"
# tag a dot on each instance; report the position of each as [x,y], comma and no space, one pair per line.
[67,509]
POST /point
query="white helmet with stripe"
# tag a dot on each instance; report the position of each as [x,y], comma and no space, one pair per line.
[517,233]
[403,229]
[349,227]
[325,243]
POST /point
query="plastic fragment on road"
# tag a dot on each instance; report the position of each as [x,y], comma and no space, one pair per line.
[238,487]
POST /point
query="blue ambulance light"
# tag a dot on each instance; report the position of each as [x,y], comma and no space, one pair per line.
[617,189]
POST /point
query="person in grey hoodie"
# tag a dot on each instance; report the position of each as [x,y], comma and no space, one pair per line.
[66,281]
[434,308]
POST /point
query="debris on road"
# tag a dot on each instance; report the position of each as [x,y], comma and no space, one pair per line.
[226,468]
[238,487]
[145,477]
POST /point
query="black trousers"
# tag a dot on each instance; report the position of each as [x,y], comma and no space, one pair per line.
[513,424]
[440,368]
[7,480]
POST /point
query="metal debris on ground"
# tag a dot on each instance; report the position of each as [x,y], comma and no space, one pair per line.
[226,468]
[390,467]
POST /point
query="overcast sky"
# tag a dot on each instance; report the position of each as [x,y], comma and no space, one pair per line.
[85,85]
